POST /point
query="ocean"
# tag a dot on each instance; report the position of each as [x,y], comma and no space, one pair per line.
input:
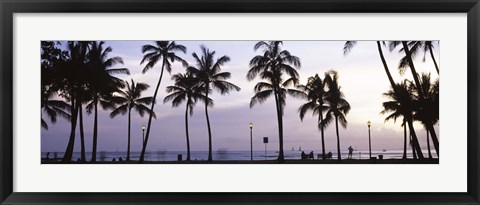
[231,155]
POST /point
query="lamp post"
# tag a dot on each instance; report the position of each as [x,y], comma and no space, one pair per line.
[369,140]
[251,143]
[143,131]
[265,141]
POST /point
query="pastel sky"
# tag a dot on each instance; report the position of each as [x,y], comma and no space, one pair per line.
[361,75]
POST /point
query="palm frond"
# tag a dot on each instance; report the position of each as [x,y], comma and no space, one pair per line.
[152,61]
[297,93]
[224,86]
[144,100]
[142,109]
[44,124]
[149,48]
[119,110]
[392,45]
[306,107]
[348,47]
[260,97]
[118,71]
[260,86]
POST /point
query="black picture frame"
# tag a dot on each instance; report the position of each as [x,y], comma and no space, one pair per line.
[10,7]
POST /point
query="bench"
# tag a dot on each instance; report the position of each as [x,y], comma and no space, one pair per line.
[320,156]
[307,156]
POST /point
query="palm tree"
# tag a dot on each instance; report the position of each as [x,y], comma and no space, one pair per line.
[315,92]
[51,57]
[271,66]
[53,108]
[337,106]
[402,105]
[415,47]
[75,82]
[208,71]
[129,99]
[421,95]
[70,76]
[102,83]
[187,89]
[83,96]
[427,110]
[164,51]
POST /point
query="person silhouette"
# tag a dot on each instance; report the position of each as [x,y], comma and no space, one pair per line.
[329,155]
[304,155]
[350,152]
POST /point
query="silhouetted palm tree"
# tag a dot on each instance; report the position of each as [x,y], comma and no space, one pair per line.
[397,109]
[408,57]
[402,104]
[51,57]
[337,106]
[53,108]
[187,88]
[427,111]
[102,83]
[70,77]
[83,96]
[315,92]
[271,66]
[415,47]
[208,71]
[129,99]
[164,51]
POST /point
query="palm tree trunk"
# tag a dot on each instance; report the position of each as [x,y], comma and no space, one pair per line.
[413,70]
[95,130]
[321,131]
[414,154]
[208,126]
[385,66]
[420,93]
[433,135]
[433,58]
[404,139]
[67,157]
[281,156]
[142,155]
[338,139]
[82,135]
[129,125]
[186,131]
[428,146]
[415,143]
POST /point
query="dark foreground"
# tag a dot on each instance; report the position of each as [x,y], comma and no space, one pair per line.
[330,161]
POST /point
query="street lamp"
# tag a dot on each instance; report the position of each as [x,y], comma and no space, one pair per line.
[265,141]
[369,139]
[251,143]
[143,131]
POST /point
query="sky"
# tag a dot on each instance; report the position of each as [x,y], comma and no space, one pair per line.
[361,76]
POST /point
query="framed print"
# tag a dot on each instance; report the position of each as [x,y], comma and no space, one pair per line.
[265,102]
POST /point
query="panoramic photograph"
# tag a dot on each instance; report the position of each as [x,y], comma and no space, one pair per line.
[240,102]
